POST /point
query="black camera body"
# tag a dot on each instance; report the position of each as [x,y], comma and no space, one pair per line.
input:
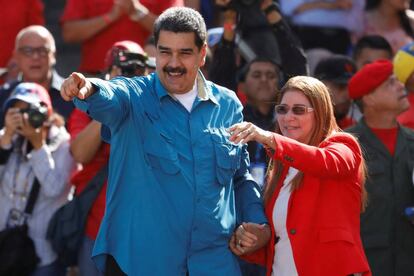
[37,114]
[131,64]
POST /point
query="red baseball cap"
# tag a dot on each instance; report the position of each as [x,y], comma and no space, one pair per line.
[124,45]
[369,78]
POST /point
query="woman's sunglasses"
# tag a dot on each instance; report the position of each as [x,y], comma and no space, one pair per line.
[297,109]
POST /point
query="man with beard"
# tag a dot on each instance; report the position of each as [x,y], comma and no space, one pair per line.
[174,176]
[335,72]
[387,236]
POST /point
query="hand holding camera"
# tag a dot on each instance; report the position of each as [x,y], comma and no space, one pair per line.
[27,123]
[12,121]
[31,128]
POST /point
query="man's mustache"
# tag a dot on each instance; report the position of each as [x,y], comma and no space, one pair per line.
[179,70]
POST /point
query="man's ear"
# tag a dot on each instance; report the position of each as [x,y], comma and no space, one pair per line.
[203,52]
[53,59]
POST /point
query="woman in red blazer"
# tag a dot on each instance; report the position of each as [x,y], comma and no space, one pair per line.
[315,190]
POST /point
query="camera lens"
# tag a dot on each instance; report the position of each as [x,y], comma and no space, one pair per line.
[37,115]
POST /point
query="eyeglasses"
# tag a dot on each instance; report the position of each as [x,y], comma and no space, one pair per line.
[297,109]
[30,51]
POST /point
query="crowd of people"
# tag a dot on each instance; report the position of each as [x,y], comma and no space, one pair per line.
[234,137]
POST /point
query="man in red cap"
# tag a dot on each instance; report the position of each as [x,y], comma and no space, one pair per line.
[125,58]
[387,236]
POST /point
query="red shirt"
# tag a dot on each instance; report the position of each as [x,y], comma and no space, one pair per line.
[77,122]
[388,137]
[94,49]
[16,15]
[407,118]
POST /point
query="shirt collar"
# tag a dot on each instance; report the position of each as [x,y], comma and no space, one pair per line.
[204,89]
[57,80]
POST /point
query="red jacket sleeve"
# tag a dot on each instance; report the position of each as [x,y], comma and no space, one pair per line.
[257,257]
[338,155]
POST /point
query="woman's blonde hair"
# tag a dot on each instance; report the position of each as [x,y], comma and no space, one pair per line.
[325,125]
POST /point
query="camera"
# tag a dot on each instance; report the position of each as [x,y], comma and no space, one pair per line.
[37,114]
[131,64]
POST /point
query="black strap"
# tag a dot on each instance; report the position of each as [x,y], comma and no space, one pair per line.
[4,155]
[97,181]
[95,184]
[34,193]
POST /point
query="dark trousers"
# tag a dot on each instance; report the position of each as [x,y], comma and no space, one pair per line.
[336,40]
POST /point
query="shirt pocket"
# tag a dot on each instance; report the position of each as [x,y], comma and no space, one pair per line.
[161,155]
[335,235]
[227,159]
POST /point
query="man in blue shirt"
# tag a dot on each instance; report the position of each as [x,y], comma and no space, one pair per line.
[175,180]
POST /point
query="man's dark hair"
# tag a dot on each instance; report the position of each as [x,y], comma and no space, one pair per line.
[181,20]
[376,42]
[246,68]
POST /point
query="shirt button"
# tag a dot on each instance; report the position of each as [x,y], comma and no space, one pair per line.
[195,228]
[293,231]
[198,200]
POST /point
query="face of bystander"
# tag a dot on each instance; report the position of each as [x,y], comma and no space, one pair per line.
[35,57]
[260,85]
[389,96]
[368,55]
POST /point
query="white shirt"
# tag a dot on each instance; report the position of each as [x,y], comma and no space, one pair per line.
[187,99]
[283,262]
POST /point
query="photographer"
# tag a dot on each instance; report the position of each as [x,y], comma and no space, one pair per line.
[125,58]
[34,145]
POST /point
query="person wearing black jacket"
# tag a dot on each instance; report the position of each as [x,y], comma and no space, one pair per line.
[260,78]
[292,59]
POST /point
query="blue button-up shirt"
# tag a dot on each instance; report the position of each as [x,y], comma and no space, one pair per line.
[174,179]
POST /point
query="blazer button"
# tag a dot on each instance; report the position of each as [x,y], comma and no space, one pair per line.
[293,231]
